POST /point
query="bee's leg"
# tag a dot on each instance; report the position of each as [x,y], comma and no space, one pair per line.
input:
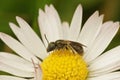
[66,47]
[71,49]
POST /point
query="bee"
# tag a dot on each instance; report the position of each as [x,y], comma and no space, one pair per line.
[66,44]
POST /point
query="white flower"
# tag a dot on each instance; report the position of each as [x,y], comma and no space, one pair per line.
[95,34]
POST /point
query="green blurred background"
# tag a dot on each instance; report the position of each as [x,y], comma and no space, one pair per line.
[28,9]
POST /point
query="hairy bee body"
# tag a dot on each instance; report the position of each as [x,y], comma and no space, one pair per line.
[61,44]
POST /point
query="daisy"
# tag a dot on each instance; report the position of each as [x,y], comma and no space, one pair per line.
[33,62]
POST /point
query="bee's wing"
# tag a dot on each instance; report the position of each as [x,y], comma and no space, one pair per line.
[77,47]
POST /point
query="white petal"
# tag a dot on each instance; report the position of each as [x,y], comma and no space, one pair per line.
[107,62]
[46,28]
[117,79]
[52,27]
[15,71]
[105,36]
[29,38]
[38,50]
[76,23]
[54,20]
[38,72]
[66,30]
[49,26]
[4,77]
[90,29]
[17,47]
[56,15]
[42,26]
[109,76]
[16,62]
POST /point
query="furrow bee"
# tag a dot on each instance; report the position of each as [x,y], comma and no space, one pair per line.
[66,44]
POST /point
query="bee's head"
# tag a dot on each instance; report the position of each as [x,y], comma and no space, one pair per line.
[51,46]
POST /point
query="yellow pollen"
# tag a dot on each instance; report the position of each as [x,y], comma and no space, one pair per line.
[64,65]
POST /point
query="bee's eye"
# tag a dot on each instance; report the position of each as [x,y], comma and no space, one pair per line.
[51,46]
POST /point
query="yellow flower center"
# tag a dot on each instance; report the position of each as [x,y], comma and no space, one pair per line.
[64,65]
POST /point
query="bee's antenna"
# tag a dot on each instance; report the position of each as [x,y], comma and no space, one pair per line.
[46,38]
